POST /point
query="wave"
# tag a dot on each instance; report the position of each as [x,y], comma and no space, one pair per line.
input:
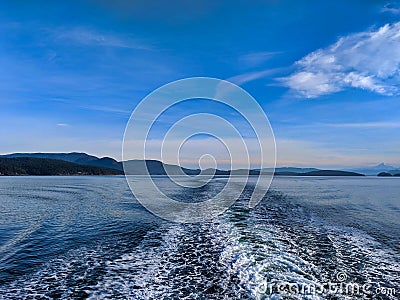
[240,255]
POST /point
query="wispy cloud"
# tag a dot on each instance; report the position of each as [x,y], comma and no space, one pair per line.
[105,108]
[391,8]
[367,60]
[257,58]
[367,125]
[247,77]
[88,37]
[62,125]
[223,89]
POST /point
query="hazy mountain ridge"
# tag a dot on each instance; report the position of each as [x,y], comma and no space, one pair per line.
[374,170]
[291,170]
[11,164]
[75,157]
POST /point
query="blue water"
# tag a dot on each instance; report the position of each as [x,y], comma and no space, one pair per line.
[87,237]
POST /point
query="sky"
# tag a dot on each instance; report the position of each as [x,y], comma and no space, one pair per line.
[326,73]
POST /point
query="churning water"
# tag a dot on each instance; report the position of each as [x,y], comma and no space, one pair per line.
[87,237]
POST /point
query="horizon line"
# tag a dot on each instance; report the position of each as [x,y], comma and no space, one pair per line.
[302,166]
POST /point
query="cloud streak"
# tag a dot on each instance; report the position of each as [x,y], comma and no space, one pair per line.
[87,37]
[391,8]
[251,76]
[367,60]
[367,125]
[257,58]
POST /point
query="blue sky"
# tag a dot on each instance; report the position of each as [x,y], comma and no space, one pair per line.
[326,74]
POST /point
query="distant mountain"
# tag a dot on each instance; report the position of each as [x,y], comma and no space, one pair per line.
[46,166]
[287,173]
[75,157]
[132,167]
[106,162]
[382,167]
[290,170]
[155,167]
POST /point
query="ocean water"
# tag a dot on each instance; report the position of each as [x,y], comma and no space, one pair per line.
[309,238]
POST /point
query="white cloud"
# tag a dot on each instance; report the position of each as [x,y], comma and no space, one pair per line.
[62,125]
[311,84]
[367,60]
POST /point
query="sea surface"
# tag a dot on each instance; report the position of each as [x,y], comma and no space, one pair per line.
[309,238]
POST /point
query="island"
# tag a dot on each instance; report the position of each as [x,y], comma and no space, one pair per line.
[384,174]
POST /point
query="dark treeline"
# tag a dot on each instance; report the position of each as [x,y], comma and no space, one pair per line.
[45,166]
